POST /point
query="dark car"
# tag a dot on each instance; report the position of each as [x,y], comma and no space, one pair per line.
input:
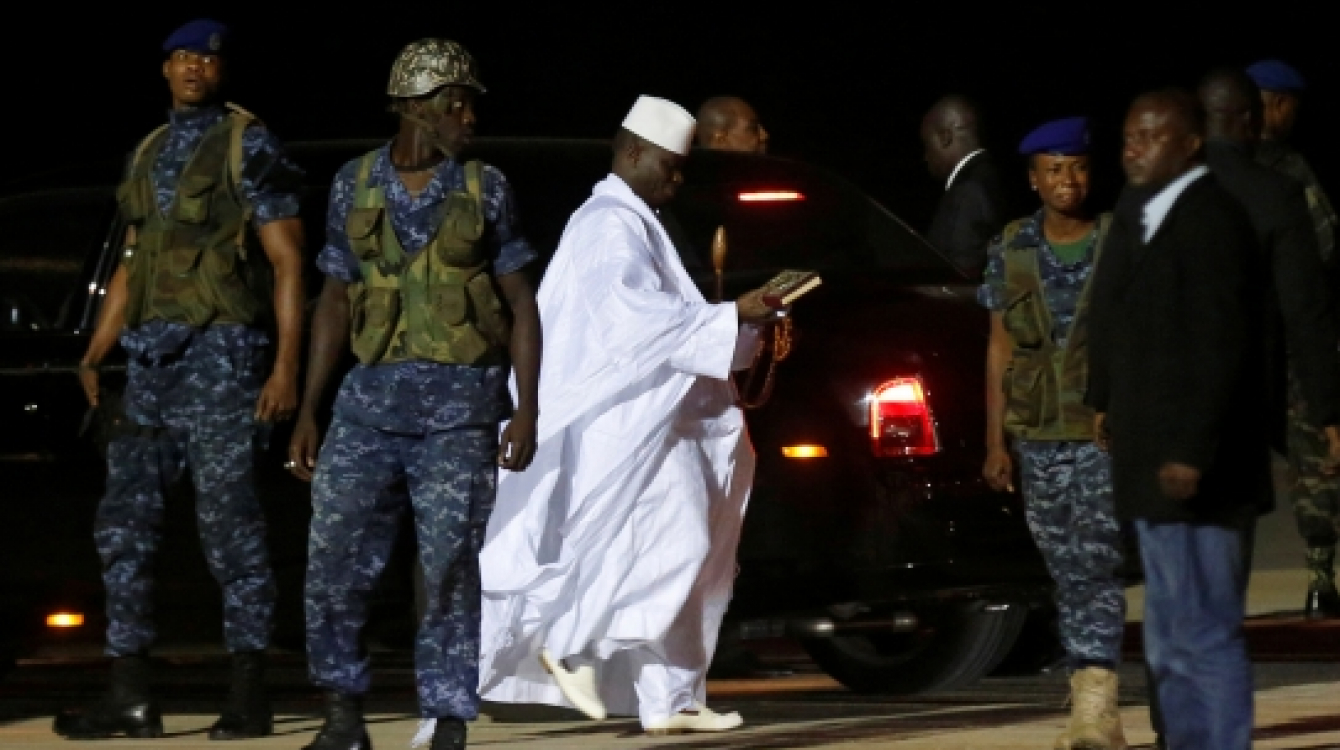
[870,535]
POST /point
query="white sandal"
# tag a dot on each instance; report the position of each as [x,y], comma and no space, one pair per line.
[703,719]
[578,686]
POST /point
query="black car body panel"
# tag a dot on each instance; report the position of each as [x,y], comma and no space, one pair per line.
[820,534]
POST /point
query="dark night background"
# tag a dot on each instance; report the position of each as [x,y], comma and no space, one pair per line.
[840,84]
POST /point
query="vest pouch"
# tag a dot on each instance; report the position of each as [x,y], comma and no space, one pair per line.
[364,230]
[460,344]
[183,259]
[220,261]
[1023,320]
[464,217]
[1024,397]
[450,306]
[490,316]
[135,197]
[373,321]
[239,290]
[457,243]
[192,202]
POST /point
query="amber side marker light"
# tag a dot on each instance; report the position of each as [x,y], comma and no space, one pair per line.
[771,196]
[65,620]
[805,451]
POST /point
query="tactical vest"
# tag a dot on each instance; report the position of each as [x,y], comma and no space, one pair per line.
[439,306]
[196,264]
[1045,383]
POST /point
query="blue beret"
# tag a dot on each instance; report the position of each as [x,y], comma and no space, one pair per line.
[1069,137]
[203,36]
[1276,75]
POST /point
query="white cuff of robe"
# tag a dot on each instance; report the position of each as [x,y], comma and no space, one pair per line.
[710,351]
[747,344]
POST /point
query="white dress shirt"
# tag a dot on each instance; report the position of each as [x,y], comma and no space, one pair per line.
[1156,210]
[950,182]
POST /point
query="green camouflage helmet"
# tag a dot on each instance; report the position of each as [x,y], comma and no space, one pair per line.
[429,64]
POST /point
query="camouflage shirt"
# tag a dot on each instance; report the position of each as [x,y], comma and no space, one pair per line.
[1281,157]
[270,182]
[422,397]
[1063,283]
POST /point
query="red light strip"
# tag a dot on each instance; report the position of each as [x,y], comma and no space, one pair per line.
[771,196]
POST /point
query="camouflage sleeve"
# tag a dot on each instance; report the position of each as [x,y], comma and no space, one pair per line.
[336,259]
[270,181]
[1323,220]
[511,249]
[991,294]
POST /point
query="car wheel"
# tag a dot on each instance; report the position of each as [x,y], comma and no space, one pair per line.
[955,645]
[1038,647]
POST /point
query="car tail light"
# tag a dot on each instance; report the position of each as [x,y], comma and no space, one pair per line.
[900,420]
[771,196]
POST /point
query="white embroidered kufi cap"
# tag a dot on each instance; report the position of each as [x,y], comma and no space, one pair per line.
[661,122]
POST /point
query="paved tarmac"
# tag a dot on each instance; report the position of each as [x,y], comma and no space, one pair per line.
[1296,708]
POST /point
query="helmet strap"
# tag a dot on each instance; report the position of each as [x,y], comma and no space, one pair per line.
[433,106]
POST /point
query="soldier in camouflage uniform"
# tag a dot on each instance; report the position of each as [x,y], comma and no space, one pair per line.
[211,271]
[1035,285]
[1313,450]
[425,282]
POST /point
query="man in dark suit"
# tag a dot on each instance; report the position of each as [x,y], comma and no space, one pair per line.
[1176,368]
[1301,322]
[972,209]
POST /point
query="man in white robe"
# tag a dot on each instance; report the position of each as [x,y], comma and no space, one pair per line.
[609,563]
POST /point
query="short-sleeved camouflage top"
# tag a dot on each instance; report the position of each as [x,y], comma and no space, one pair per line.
[1063,282]
[422,397]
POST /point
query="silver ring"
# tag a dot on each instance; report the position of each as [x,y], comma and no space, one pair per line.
[290,464]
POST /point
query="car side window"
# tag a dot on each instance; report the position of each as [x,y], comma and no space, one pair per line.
[49,241]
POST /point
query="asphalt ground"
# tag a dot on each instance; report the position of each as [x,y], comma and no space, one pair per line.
[1298,706]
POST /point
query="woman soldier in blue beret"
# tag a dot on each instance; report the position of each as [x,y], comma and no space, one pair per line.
[1036,287]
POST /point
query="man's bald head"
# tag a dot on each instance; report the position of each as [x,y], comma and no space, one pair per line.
[1162,137]
[949,132]
[1232,105]
[728,123]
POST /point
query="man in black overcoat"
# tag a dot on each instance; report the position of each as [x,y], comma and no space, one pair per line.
[1177,368]
[973,207]
[1301,324]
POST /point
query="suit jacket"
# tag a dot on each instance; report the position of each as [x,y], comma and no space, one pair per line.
[1300,318]
[1176,357]
[970,213]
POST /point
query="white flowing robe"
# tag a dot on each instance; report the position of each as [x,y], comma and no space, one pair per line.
[618,543]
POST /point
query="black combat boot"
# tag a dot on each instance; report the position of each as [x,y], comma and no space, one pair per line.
[1323,601]
[449,735]
[127,709]
[247,713]
[344,729]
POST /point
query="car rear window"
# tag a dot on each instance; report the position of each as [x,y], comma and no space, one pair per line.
[781,214]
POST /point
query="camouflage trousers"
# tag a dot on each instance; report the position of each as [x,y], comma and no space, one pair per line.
[1067,488]
[1315,495]
[357,499]
[206,427]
